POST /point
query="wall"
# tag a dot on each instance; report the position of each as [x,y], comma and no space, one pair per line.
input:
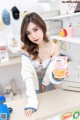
[11,72]
[15,24]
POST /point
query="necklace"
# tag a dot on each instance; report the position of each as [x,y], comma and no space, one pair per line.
[41,60]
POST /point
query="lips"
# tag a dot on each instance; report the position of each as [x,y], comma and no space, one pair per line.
[36,40]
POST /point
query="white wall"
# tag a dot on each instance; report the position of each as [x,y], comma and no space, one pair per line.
[8,73]
[22,5]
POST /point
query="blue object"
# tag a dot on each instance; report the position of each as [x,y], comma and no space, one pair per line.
[6,17]
[10,109]
[4,111]
[2,99]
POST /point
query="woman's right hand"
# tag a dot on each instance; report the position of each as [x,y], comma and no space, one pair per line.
[43,88]
[28,112]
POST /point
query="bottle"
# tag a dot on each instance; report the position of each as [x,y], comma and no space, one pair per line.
[70,31]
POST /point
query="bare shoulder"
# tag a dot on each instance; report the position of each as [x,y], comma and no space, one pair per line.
[56,49]
[56,46]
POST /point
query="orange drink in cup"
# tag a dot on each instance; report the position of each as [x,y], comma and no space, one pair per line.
[60,66]
[60,73]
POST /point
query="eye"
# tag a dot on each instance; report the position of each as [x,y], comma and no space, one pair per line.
[27,33]
[36,29]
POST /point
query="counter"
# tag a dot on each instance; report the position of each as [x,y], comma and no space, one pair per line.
[12,61]
[51,103]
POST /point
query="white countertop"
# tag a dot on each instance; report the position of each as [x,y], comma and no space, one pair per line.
[50,103]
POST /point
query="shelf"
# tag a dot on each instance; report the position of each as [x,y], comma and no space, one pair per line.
[62,16]
[75,39]
[12,61]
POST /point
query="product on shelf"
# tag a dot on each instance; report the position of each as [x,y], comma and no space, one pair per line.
[63,32]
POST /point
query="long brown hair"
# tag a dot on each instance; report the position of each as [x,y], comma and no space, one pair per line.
[31,47]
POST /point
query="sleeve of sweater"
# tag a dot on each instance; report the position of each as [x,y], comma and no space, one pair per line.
[28,78]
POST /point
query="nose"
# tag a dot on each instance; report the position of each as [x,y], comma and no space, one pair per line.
[33,35]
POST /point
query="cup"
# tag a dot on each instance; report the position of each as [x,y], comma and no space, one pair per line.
[60,67]
[60,73]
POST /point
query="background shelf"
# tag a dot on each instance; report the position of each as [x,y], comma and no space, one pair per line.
[62,16]
[75,39]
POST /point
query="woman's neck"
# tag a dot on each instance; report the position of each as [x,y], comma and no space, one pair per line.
[43,44]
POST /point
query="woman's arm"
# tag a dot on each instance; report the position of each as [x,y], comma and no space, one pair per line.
[32,100]
[56,50]
[28,77]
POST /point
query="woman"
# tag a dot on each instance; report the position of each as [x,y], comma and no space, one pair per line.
[37,62]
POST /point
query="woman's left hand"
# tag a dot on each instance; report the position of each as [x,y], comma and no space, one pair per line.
[67,73]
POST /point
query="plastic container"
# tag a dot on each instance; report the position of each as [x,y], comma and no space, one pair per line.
[60,66]
[70,31]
